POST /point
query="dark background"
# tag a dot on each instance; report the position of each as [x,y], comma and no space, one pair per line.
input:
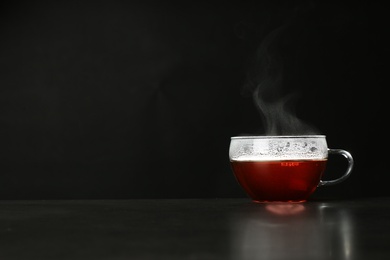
[139,99]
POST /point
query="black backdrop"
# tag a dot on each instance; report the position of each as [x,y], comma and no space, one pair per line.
[139,99]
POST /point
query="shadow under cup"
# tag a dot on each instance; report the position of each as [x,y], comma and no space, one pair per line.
[282,168]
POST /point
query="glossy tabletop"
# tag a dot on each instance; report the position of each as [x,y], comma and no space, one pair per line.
[195,229]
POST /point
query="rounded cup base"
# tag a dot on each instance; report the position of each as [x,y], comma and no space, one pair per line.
[278,201]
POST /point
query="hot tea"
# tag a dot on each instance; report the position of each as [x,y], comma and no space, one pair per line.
[279,180]
[282,168]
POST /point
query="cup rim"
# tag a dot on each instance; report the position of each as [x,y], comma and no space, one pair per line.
[276,136]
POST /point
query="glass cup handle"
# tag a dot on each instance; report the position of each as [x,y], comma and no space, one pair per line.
[349,157]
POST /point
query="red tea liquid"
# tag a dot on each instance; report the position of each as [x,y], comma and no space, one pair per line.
[266,181]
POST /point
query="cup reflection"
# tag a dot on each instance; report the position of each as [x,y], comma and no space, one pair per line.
[285,209]
[293,231]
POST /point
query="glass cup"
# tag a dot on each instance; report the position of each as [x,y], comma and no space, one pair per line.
[282,168]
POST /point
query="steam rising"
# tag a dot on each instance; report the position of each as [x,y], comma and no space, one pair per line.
[266,86]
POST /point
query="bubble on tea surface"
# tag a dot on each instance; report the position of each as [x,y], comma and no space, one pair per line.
[294,148]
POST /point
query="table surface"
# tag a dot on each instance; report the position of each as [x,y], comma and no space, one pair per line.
[195,229]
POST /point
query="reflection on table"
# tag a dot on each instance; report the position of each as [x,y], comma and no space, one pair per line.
[236,229]
[305,231]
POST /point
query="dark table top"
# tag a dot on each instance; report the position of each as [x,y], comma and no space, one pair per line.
[195,229]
